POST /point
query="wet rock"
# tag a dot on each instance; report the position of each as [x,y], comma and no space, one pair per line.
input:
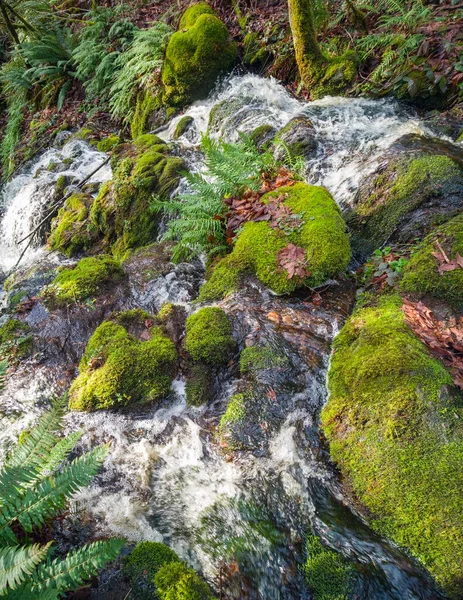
[418,183]
[298,137]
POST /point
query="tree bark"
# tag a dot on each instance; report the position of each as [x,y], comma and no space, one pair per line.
[306,47]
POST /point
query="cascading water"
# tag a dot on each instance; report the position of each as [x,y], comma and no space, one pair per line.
[166,478]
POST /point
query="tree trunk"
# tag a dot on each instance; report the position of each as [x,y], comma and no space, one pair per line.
[308,53]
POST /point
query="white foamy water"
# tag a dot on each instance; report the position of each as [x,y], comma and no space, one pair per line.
[26,198]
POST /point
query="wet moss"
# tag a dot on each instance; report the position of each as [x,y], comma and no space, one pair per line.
[142,565]
[82,282]
[117,369]
[175,581]
[146,105]
[403,187]
[337,75]
[182,126]
[209,336]
[257,358]
[328,574]
[15,343]
[421,275]
[196,55]
[263,135]
[108,143]
[394,425]
[232,420]
[71,230]
[321,234]
[199,385]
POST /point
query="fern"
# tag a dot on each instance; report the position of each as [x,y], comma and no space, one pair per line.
[35,483]
[198,223]
[139,69]
[3,369]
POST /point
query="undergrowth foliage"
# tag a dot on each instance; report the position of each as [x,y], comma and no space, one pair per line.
[35,483]
[198,215]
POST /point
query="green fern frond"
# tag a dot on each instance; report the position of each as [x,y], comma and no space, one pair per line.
[17,562]
[3,369]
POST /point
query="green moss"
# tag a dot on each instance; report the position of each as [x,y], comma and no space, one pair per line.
[165,312]
[235,413]
[146,105]
[60,185]
[86,134]
[83,281]
[182,126]
[198,385]
[257,358]
[175,581]
[328,574]
[262,135]
[421,275]
[143,563]
[108,143]
[208,336]
[196,55]
[402,188]
[14,341]
[71,230]
[338,74]
[117,369]
[395,431]
[321,234]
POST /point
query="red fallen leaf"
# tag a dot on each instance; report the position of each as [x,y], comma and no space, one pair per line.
[292,259]
[271,394]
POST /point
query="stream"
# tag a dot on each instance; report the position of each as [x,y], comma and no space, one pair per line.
[166,478]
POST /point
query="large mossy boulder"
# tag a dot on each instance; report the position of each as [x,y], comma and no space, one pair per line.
[209,336]
[421,274]
[120,217]
[320,232]
[403,198]
[395,428]
[118,368]
[196,55]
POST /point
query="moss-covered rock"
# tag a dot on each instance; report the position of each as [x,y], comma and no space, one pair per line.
[71,230]
[118,369]
[421,274]
[321,234]
[232,419]
[149,113]
[80,283]
[257,358]
[209,336]
[298,137]
[175,581]
[263,135]
[143,563]
[199,383]
[15,341]
[196,55]
[108,143]
[121,211]
[401,201]
[394,424]
[182,126]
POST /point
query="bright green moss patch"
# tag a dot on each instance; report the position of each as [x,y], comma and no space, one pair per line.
[328,574]
[256,358]
[108,143]
[395,431]
[83,281]
[196,55]
[143,563]
[118,369]
[209,336]
[182,126]
[15,343]
[400,189]
[321,233]
[421,273]
[175,581]
[71,230]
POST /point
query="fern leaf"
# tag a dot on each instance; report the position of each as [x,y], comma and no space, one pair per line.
[3,369]
[17,562]
[79,565]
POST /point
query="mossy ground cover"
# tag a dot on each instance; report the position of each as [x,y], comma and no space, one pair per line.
[175,581]
[321,234]
[421,274]
[197,54]
[85,280]
[71,230]
[393,422]
[118,369]
[209,336]
[15,341]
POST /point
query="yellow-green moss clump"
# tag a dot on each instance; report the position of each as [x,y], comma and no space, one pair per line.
[395,427]
[83,281]
[108,143]
[196,55]
[257,358]
[175,581]
[321,233]
[402,188]
[118,369]
[209,336]
[120,217]
[421,273]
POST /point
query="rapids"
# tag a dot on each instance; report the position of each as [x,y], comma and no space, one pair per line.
[166,478]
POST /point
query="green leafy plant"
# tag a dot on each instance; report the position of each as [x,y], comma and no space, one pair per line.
[3,368]
[139,69]
[36,482]
[198,223]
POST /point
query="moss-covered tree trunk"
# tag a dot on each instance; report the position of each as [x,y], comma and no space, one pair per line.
[308,53]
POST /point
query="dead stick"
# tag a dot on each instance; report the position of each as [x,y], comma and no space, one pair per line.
[446,258]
